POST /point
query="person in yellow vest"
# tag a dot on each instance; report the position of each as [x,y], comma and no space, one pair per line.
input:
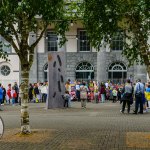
[114,93]
[96,92]
[147,95]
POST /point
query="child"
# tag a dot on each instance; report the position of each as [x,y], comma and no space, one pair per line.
[13,95]
[66,99]
[114,93]
[8,94]
[107,93]
[119,94]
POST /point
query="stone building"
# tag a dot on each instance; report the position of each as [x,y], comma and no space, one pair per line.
[9,71]
[83,62]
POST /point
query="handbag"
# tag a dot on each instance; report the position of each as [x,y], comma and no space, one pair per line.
[126,96]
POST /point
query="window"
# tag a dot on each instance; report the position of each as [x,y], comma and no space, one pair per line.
[4,45]
[83,41]
[5,70]
[117,41]
[117,72]
[84,71]
[52,41]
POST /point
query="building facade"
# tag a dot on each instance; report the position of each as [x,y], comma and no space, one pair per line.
[83,62]
[9,70]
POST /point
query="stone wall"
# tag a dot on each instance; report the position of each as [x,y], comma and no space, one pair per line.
[101,61]
[105,59]
[73,59]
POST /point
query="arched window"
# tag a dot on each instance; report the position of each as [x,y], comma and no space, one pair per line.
[46,72]
[117,72]
[84,71]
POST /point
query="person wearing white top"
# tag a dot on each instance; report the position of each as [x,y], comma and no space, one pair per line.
[44,91]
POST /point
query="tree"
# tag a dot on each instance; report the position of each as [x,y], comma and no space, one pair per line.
[19,22]
[103,18]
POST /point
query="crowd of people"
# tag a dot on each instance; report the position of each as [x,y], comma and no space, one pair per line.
[98,92]
[9,95]
[37,92]
[91,91]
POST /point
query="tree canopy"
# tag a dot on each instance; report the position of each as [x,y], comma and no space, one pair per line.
[23,24]
[20,20]
[103,18]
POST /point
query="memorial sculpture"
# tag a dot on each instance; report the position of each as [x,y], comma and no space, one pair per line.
[56,73]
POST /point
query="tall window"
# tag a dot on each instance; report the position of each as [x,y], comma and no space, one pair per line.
[84,71]
[117,41]
[117,72]
[4,45]
[83,41]
[52,41]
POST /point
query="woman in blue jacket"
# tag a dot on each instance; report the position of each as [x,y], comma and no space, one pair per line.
[1,96]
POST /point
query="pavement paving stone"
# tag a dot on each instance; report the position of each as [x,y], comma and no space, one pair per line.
[98,127]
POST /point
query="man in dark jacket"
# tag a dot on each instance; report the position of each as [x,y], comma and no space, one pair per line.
[17,91]
[1,96]
[127,95]
[30,92]
[4,94]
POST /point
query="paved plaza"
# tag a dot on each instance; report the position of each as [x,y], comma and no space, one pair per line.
[98,127]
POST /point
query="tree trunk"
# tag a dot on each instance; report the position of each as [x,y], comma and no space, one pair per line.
[25,127]
[148,71]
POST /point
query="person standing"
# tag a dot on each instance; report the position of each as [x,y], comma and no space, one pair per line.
[40,85]
[78,91]
[13,96]
[17,91]
[66,99]
[119,94]
[96,93]
[1,96]
[139,92]
[4,95]
[147,95]
[91,90]
[44,91]
[83,94]
[36,93]
[68,88]
[127,95]
[8,96]
[114,93]
[30,92]
[102,92]
[106,84]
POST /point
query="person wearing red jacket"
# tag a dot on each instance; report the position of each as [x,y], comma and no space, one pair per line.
[102,92]
[8,93]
